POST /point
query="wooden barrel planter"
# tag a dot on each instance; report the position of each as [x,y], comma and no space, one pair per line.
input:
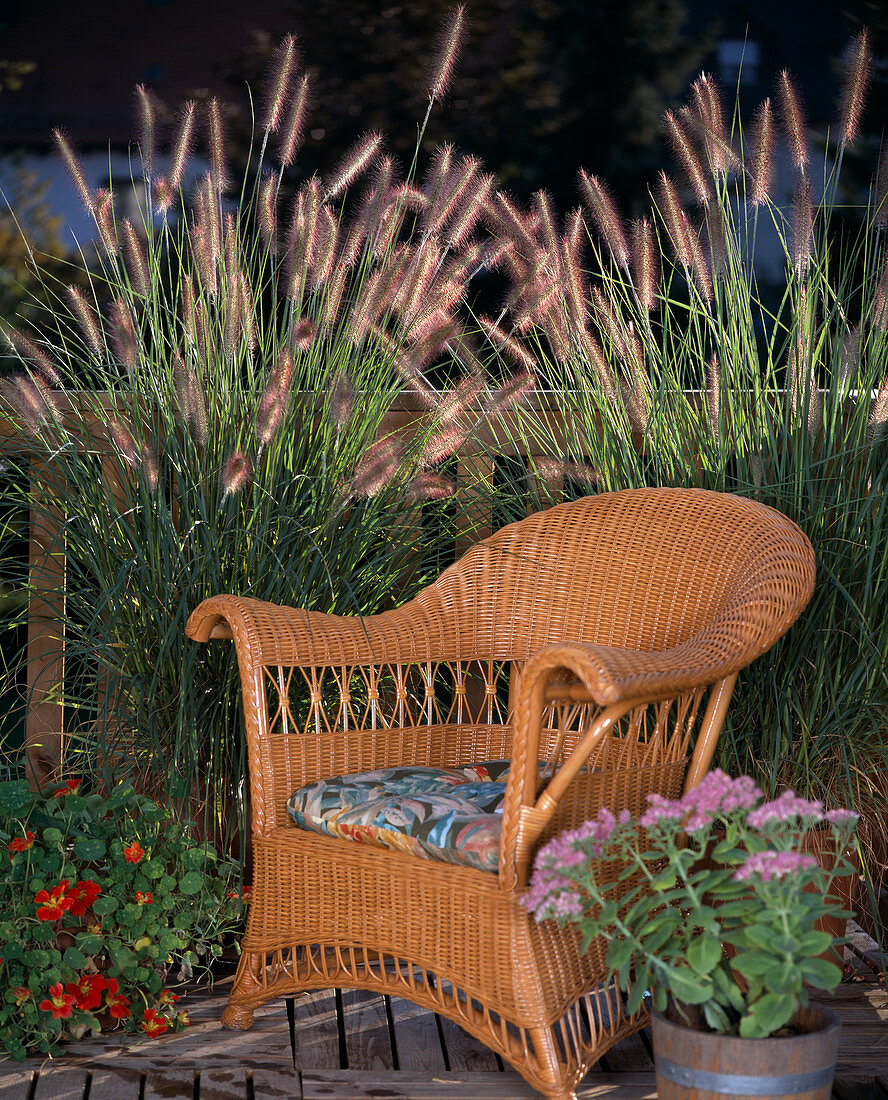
[702,1065]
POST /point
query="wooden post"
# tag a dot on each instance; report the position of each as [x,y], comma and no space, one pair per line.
[44,723]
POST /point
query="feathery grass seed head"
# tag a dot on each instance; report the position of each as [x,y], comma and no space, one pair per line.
[75,168]
[688,157]
[857,64]
[604,213]
[793,118]
[277,84]
[761,159]
[444,60]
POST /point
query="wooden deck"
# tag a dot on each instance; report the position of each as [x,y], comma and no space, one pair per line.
[354,1044]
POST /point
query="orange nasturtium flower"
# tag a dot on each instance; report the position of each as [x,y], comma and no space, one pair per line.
[61,1004]
[22,843]
[70,785]
[83,894]
[117,1005]
[51,905]
[135,853]
[144,899]
[88,990]
[152,1024]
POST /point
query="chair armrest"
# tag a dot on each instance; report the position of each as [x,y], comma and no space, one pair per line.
[273,634]
[618,680]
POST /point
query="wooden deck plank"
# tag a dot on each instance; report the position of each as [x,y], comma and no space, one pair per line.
[115,1084]
[348,1084]
[61,1083]
[169,1084]
[618,1086]
[631,1054]
[316,1035]
[416,1038]
[277,1084]
[15,1084]
[366,1031]
[223,1084]
[464,1051]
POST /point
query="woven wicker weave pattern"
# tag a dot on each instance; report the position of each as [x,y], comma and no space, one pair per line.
[603,637]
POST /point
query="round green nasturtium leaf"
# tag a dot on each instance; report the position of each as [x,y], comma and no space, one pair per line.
[37,957]
[53,835]
[14,796]
[192,882]
[193,859]
[169,942]
[12,950]
[104,905]
[89,943]
[89,848]
[7,930]
[74,958]
[152,869]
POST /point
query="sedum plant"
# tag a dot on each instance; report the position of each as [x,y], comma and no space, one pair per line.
[214,413]
[670,889]
[675,366]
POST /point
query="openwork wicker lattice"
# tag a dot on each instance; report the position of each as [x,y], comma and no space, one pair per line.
[602,637]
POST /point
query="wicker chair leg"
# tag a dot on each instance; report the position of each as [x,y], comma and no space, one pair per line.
[236,1018]
[550,1064]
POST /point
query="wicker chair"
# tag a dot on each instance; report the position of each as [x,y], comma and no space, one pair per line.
[602,637]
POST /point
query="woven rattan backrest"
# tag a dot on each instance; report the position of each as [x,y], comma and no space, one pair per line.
[641,569]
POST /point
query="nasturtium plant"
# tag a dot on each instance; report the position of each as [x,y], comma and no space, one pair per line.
[103,897]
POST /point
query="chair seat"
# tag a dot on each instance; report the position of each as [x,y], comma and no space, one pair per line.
[448,814]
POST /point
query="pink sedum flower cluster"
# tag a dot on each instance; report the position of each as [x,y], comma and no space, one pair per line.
[770,864]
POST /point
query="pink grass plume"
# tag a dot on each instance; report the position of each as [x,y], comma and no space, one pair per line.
[356,160]
[792,115]
[88,320]
[761,157]
[182,146]
[293,129]
[123,334]
[645,263]
[377,467]
[604,213]
[237,473]
[446,53]
[857,65]
[216,144]
[34,357]
[688,157]
[342,400]
[75,168]
[277,84]
[428,485]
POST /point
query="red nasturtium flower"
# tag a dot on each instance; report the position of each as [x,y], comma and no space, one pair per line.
[21,994]
[70,785]
[22,843]
[165,997]
[82,896]
[134,853]
[144,899]
[51,905]
[152,1024]
[117,1005]
[88,990]
[61,1004]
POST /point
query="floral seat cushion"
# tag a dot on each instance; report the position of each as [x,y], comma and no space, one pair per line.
[449,814]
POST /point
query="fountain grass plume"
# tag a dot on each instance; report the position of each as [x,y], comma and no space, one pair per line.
[858,65]
[761,155]
[793,118]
